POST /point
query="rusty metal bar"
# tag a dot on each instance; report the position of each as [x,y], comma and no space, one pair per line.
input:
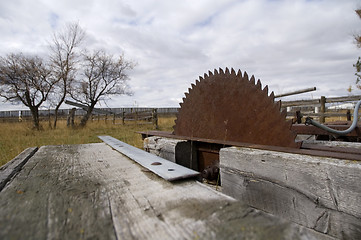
[331,149]
[311,152]
[296,92]
[312,130]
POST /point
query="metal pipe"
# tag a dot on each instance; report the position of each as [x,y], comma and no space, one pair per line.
[337,132]
[296,92]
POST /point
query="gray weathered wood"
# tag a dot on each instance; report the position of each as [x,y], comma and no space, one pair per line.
[93,192]
[317,101]
[179,151]
[162,147]
[320,193]
[10,169]
[334,143]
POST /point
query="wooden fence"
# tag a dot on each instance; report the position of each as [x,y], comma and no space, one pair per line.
[149,116]
[316,108]
[319,108]
[119,115]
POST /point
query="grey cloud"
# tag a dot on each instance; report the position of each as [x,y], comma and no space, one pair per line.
[287,44]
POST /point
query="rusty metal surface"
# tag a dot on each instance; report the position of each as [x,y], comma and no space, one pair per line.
[337,152]
[341,150]
[229,106]
[312,130]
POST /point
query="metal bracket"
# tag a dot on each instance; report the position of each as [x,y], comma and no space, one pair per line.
[163,168]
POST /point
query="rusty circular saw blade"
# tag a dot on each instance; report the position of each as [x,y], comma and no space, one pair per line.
[230,106]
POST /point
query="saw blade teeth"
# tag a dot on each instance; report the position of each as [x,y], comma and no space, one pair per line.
[278,105]
[259,84]
[272,95]
[239,73]
[245,76]
[252,80]
[284,113]
[195,111]
[265,89]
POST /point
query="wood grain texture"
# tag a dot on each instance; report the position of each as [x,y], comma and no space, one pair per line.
[320,193]
[93,192]
[162,147]
[10,169]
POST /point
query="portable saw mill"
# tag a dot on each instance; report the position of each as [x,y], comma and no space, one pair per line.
[227,108]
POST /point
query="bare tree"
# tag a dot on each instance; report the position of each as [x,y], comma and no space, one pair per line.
[357,65]
[64,58]
[103,76]
[26,79]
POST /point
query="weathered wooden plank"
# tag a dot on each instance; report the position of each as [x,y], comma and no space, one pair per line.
[320,193]
[92,192]
[10,169]
[162,147]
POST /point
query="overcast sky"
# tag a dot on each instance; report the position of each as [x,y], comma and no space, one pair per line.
[289,45]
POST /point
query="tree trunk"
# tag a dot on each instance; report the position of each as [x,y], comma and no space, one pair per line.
[55,116]
[57,108]
[35,114]
[86,117]
[65,91]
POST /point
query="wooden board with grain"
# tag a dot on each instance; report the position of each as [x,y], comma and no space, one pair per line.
[93,192]
[10,169]
[317,192]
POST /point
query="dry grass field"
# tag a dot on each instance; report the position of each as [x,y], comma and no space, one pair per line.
[15,137]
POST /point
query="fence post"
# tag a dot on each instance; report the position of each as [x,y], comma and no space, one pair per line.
[113,118]
[298,117]
[155,118]
[136,117]
[70,119]
[49,118]
[123,117]
[322,109]
[348,115]
[20,116]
